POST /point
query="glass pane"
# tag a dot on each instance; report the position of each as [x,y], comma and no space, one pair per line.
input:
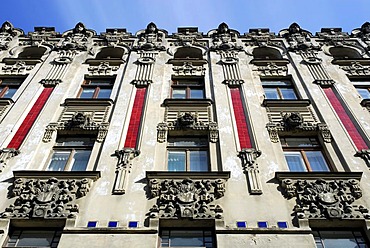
[364,93]
[176,161]
[104,93]
[196,94]
[10,93]
[100,82]
[276,83]
[300,142]
[178,93]
[81,141]
[271,93]
[193,142]
[198,161]
[338,239]
[317,161]
[186,239]
[288,93]
[58,161]
[35,238]
[295,161]
[80,160]
[87,93]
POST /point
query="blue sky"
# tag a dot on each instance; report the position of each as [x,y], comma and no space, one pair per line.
[170,14]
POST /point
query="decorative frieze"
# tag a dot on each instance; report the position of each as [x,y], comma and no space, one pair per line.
[18,68]
[324,196]
[356,69]
[48,195]
[248,157]
[103,69]
[123,168]
[186,195]
[42,36]
[188,36]
[114,37]
[272,70]
[188,69]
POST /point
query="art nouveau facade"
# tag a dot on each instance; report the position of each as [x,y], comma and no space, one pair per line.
[184,140]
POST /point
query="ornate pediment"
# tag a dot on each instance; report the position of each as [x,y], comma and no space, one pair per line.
[188,69]
[187,195]
[48,194]
[103,69]
[324,195]
[298,38]
[43,36]
[78,38]
[272,70]
[150,39]
[224,39]
[188,36]
[7,34]
[115,37]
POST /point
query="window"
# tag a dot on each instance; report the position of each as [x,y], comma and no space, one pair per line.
[34,238]
[187,238]
[96,88]
[187,89]
[279,90]
[327,239]
[71,154]
[8,87]
[188,154]
[303,154]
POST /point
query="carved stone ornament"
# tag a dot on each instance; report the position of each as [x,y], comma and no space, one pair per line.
[290,126]
[363,33]
[188,37]
[260,37]
[7,34]
[334,37]
[188,69]
[186,198]
[103,69]
[187,121]
[19,68]
[272,70]
[123,168]
[78,38]
[248,158]
[79,121]
[46,198]
[144,69]
[115,37]
[5,155]
[356,69]
[150,39]
[43,36]
[325,198]
[224,38]
[298,39]
[364,154]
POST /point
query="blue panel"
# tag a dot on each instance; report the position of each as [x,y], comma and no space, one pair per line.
[241,224]
[132,224]
[262,224]
[112,223]
[92,223]
[282,224]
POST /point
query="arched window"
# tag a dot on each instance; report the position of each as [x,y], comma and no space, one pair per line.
[344,53]
[110,53]
[188,53]
[32,53]
[266,53]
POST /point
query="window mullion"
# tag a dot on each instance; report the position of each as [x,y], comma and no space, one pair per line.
[305,159]
[187,154]
[68,166]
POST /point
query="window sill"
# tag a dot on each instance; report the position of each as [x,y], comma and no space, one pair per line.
[318,175]
[88,102]
[262,62]
[284,103]
[187,174]
[94,175]
[174,102]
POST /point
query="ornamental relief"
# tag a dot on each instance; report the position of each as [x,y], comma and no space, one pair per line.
[7,34]
[224,38]
[186,198]
[299,40]
[46,198]
[78,38]
[150,39]
[325,199]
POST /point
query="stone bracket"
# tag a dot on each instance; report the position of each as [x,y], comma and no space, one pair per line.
[5,155]
[248,157]
[123,168]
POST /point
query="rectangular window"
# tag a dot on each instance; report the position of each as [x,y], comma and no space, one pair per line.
[96,88]
[303,154]
[187,238]
[34,238]
[324,239]
[71,154]
[279,90]
[9,86]
[364,92]
[188,154]
[187,89]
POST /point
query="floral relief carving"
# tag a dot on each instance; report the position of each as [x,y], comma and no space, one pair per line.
[325,199]
[19,68]
[187,198]
[46,198]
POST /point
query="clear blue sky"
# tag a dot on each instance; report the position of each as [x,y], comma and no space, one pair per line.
[170,14]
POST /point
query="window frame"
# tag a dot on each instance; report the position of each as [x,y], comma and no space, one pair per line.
[187,150]
[278,84]
[72,151]
[53,243]
[303,152]
[319,240]
[203,230]
[87,84]
[188,84]
[6,86]
[361,84]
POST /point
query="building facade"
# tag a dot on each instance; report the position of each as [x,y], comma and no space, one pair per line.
[187,139]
